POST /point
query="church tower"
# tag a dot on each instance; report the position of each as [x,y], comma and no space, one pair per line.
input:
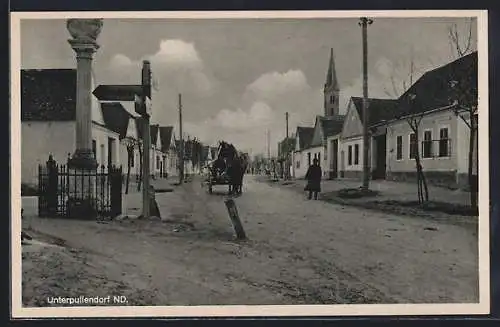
[331,90]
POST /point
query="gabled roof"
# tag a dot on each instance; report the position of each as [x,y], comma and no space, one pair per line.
[166,137]
[433,89]
[48,94]
[332,125]
[116,117]
[305,135]
[379,109]
[153,130]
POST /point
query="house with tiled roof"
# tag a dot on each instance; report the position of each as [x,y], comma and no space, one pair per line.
[48,121]
[443,135]
[169,151]
[350,140]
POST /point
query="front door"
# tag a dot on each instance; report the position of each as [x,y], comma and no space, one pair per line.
[334,156]
[342,163]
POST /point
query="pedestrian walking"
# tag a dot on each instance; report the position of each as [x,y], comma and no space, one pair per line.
[313,177]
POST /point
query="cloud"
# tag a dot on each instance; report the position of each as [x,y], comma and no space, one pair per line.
[177,52]
[274,84]
[176,66]
[262,107]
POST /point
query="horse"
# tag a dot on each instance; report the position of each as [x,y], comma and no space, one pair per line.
[236,164]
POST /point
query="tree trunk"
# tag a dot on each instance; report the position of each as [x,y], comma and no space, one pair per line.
[472,180]
[140,169]
[128,169]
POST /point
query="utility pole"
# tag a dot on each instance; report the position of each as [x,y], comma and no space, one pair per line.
[181,142]
[268,145]
[287,163]
[364,22]
[146,93]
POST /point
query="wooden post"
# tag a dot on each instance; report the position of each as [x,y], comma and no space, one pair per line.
[235,219]
[146,91]
[181,144]
[364,22]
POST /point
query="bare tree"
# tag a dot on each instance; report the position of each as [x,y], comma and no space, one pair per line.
[413,119]
[460,46]
[130,143]
[465,98]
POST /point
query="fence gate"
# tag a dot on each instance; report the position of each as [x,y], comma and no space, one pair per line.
[83,194]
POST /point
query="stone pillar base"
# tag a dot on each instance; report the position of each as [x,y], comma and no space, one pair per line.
[82,201]
[82,159]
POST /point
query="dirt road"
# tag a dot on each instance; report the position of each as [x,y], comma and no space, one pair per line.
[298,252]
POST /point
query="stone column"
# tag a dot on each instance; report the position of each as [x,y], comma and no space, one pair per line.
[84,34]
[84,198]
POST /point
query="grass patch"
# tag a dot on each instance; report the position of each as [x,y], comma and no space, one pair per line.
[355,193]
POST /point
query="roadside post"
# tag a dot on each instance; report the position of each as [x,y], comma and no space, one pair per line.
[235,219]
[144,109]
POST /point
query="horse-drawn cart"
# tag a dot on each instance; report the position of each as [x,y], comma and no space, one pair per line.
[227,169]
[216,177]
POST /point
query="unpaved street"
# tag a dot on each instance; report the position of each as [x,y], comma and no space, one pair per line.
[298,252]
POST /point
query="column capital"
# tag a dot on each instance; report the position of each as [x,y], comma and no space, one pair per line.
[83,49]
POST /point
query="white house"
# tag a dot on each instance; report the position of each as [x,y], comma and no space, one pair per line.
[156,152]
[48,122]
[350,142]
[443,135]
[169,151]
[302,157]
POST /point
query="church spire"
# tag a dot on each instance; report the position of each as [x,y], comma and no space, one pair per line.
[331,77]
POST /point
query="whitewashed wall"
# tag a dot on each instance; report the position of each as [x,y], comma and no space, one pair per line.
[432,122]
[38,139]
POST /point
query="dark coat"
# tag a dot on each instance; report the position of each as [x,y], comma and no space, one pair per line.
[313,177]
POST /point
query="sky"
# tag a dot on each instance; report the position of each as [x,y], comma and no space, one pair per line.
[239,77]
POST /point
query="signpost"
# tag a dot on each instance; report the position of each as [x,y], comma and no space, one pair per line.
[144,111]
[141,95]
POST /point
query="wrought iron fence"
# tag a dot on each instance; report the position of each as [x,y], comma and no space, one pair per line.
[72,193]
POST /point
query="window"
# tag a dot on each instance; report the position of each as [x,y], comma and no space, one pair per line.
[444,142]
[157,162]
[356,154]
[332,99]
[297,164]
[427,145]
[94,148]
[349,155]
[413,146]
[399,147]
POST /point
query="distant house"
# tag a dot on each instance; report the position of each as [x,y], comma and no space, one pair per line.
[48,122]
[124,123]
[444,136]
[301,156]
[326,129]
[351,137]
[169,151]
